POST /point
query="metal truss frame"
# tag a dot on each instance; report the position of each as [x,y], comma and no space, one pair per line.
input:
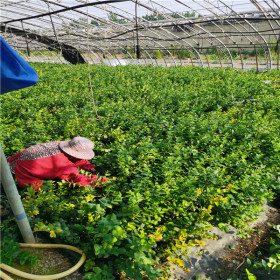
[205,33]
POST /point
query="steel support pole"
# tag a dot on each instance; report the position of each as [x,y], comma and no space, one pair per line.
[12,194]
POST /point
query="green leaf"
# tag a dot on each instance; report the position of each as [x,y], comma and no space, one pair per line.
[250,275]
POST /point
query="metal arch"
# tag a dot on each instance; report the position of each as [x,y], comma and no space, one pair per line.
[163,47]
[179,39]
[276,21]
[103,51]
[227,49]
[113,24]
[276,4]
[79,12]
[54,28]
[83,46]
[96,55]
[123,49]
[96,18]
[45,58]
[263,10]
[256,31]
[69,9]
[267,47]
[272,28]
[113,56]
[253,28]
[82,13]
[39,26]
[229,53]
[23,3]
[230,23]
[237,22]
[13,37]
[256,37]
[28,7]
[69,53]
[147,53]
[46,20]
[21,13]
[193,50]
[159,44]
[240,31]
[260,9]
[234,42]
[206,31]
[148,8]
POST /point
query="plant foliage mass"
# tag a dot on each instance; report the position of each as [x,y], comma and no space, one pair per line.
[186,149]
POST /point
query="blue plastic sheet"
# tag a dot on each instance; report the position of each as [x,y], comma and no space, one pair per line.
[16,73]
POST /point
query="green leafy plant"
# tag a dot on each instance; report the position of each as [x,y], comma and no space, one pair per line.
[272,262]
[186,149]
[11,253]
[250,275]
[157,54]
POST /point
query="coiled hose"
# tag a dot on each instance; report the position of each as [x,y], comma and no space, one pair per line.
[43,277]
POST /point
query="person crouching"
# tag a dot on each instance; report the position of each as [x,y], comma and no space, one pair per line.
[58,159]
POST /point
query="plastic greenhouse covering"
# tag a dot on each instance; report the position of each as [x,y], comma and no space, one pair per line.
[240,34]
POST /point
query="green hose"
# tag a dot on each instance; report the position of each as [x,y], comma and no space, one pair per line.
[43,277]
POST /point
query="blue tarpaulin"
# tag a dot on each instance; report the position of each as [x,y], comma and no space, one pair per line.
[16,73]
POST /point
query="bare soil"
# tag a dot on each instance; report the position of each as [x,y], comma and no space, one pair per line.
[257,245]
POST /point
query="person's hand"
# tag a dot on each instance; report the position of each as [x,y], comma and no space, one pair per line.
[94,180]
[104,179]
[89,167]
[92,168]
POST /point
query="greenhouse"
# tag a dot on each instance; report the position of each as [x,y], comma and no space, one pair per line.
[235,34]
[165,114]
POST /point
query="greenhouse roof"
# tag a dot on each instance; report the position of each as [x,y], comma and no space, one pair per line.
[159,32]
